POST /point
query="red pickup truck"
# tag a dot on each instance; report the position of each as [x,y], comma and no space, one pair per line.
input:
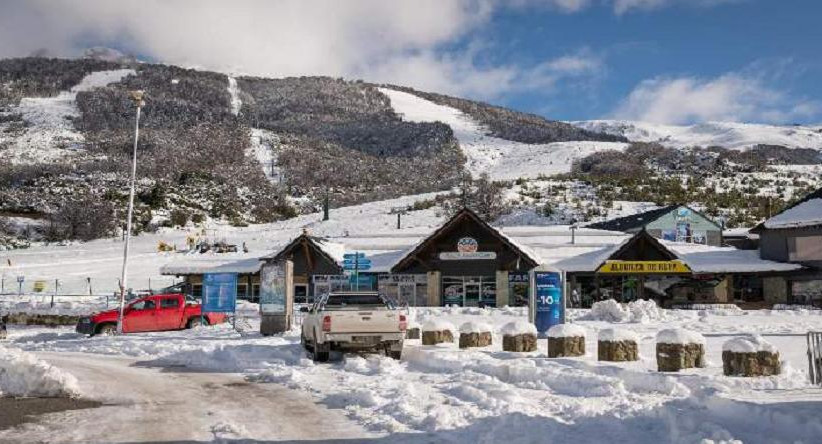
[159,312]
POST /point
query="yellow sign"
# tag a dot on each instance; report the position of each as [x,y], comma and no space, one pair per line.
[39,286]
[644,267]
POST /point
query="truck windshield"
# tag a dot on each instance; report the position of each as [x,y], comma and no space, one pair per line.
[358,300]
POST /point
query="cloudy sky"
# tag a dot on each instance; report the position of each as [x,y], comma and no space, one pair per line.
[666,61]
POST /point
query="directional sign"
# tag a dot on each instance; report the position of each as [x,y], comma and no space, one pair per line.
[352,256]
[361,267]
[361,262]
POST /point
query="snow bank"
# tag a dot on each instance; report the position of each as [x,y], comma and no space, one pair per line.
[639,311]
[614,335]
[475,327]
[748,344]
[23,374]
[437,324]
[566,331]
[519,328]
[679,336]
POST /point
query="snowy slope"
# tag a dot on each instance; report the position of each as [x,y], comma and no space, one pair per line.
[49,134]
[725,134]
[501,159]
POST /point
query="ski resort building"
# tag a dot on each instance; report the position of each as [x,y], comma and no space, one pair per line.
[676,223]
[468,262]
[795,236]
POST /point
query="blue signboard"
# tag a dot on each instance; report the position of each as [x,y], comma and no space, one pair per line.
[548,303]
[219,292]
[352,256]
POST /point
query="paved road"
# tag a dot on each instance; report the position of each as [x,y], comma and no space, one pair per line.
[172,404]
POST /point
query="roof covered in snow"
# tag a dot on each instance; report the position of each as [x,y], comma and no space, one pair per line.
[212,264]
[805,213]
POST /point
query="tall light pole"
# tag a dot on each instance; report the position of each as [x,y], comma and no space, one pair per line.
[137,98]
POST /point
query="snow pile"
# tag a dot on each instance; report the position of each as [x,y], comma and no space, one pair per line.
[519,328]
[679,336]
[566,331]
[617,335]
[438,324]
[639,311]
[475,327]
[748,344]
[23,374]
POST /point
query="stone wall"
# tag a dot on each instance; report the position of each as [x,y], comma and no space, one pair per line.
[566,347]
[437,337]
[617,351]
[762,363]
[675,357]
[519,343]
[476,339]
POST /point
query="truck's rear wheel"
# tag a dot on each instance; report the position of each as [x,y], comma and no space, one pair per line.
[394,354]
[107,329]
[321,351]
[196,322]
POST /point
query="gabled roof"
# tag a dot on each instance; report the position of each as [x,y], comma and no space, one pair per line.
[640,243]
[330,251]
[640,220]
[807,212]
[526,253]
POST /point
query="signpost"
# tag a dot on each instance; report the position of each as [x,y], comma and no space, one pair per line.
[355,262]
[219,293]
[546,306]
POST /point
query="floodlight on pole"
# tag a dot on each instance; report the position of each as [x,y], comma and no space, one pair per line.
[137,99]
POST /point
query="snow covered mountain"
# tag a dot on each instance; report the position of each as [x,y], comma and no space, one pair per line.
[725,134]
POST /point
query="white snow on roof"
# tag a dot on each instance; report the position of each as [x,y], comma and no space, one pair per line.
[805,214]
[212,264]
[708,259]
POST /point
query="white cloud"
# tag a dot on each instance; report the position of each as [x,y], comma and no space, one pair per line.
[623,6]
[404,42]
[730,97]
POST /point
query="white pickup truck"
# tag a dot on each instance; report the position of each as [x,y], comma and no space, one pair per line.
[354,321]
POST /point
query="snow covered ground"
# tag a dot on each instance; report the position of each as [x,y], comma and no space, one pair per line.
[501,159]
[443,394]
[725,134]
[49,134]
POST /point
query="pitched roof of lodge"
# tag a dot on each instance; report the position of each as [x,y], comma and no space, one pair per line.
[807,212]
[639,220]
[526,253]
[701,259]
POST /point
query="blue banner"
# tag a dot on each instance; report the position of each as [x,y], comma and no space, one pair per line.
[219,292]
[548,300]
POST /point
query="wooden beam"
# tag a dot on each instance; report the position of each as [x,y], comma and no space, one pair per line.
[308,257]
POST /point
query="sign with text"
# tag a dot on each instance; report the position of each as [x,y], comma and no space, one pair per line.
[459,256]
[219,292]
[644,267]
[272,288]
[548,300]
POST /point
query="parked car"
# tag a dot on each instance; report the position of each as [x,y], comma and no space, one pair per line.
[353,321]
[160,312]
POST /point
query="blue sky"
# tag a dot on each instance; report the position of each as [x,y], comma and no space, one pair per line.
[777,42]
[664,61]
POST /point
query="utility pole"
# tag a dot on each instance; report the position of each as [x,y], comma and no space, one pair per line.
[137,98]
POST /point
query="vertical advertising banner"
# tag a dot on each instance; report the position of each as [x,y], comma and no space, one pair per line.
[548,304]
[272,288]
[219,292]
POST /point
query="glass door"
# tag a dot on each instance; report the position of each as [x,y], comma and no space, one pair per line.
[472,294]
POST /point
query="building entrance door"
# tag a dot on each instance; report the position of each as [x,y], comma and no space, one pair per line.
[472,294]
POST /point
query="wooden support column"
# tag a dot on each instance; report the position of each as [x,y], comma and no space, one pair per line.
[502,288]
[434,288]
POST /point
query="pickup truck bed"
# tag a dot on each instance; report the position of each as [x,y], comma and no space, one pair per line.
[356,321]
